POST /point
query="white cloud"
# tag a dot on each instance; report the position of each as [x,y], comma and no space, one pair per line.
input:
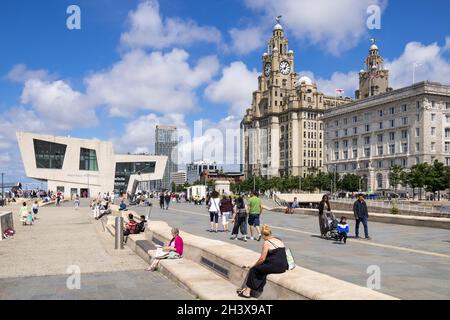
[433,66]
[348,81]
[156,82]
[63,107]
[336,26]
[139,135]
[446,47]
[245,40]
[20,73]
[149,30]
[235,88]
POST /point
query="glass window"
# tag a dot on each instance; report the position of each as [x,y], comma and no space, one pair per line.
[125,169]
[88,160]
[380,150]
[49,155]
[392,148]
[433,131]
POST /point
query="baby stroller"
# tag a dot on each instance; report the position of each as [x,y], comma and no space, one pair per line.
[331,226]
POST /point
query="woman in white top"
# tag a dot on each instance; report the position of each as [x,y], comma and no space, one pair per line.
[23,212]
[214,209]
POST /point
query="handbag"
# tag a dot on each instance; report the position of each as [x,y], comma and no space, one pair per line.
[290,259]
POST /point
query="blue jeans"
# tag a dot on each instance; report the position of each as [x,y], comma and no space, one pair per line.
[366,228]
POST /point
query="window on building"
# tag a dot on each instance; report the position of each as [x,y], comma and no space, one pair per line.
[49,155]
[367,140]
[380,138]
[392,123]
[433,146]
[336,133]
[355,130]
[447,119]
[392,149]
[392,110]
[380,164]
[433,131]
[417,147]
[447,161]
[404,163]
[380,150]
[336,155]
[447,105]
[355,142]
[345,121]
[447,147]
[367,152]
[392,136]
[404,134]
[404,108]
[355,153]
[433,117]
[405,121]
[355,119]
[380,113]
[447,132]
[405,147]
[345,143]
[125,169]
[345,132]
[88,160]
[336,145]
[345,155]
[380,125]
[367,127]
[417,132]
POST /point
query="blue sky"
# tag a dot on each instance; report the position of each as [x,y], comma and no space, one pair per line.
[85,82]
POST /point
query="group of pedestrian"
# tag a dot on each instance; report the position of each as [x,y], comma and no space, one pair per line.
[360,213]
[28,217]
[164,200]
[238,212]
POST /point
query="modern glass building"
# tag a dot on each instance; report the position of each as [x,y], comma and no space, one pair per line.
[166,142]
[85,167]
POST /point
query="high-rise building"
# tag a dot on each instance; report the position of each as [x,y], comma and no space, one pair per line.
[283,129]
[387,127]
[166,142]
[178,178]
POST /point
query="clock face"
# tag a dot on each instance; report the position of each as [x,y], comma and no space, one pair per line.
[285,67]
[268,69]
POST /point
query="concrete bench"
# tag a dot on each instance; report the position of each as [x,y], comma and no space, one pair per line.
[6,221]
[299,283]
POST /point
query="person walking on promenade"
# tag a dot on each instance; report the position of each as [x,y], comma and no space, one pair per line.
[167,199]
[23,212]
[273,260]
[361,216]
[240,219]
[226,209]
[161,200]
[35,210]
[254,219]
[214,211]
[77,202]
[323,216]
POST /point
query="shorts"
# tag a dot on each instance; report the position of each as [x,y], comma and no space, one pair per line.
[253,220]
[214,217]
[225,217]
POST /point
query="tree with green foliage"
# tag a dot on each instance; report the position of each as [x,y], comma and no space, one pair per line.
[395,176]
[350,183]
[435,178]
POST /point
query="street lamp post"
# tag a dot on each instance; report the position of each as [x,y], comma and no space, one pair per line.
[3,191]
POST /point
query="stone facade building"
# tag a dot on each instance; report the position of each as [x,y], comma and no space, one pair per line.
[283,129]
[386,128]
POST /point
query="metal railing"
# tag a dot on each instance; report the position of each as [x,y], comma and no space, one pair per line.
[401,205]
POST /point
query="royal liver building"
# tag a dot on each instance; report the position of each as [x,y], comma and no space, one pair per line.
[283,129]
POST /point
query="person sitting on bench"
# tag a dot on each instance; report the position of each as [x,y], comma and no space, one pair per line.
[131,226]
[122,206]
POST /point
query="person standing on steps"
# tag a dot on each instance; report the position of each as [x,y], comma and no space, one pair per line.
[254,219]
[361,216]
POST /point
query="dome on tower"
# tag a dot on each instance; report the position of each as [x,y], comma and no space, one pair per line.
[374,47]
[304,80]
[277,27]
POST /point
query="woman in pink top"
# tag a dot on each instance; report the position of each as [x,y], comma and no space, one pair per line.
[173,251]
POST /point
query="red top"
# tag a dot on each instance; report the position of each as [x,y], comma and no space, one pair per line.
[178,244]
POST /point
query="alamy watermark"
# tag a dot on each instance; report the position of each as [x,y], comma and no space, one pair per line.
[74,280]
[73,22]
[374,279]
[374,20]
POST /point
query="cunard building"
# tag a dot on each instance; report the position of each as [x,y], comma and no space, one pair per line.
[283,129]
[386,127]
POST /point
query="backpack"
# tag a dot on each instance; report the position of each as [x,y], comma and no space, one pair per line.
[9,233]
[134,228]
[241,212]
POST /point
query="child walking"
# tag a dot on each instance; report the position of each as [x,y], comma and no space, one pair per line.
[23,214]
[35,210]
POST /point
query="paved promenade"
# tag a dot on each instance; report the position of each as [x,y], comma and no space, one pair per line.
[34,264]
[414,261]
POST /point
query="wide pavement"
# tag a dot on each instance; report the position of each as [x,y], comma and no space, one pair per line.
[414,261]
[34,265]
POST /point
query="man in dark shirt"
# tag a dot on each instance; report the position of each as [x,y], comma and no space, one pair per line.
[361,216]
